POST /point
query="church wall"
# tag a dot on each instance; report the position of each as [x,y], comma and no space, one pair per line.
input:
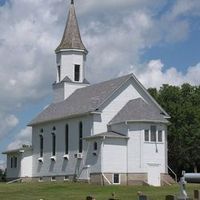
[144,156]
[122,96]
[71,87]
[13,173]
[60,166]
[114,158]
[118,101]
[93,158]
[26,164]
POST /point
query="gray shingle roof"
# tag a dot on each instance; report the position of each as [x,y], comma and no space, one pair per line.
[82,101]
[110,134]
[138,110]
[71,37]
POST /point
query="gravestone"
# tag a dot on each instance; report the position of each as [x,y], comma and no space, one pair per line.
[143,197]
[90,198]
[196,194]
[170,197]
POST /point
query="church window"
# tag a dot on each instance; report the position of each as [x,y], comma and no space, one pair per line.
[15,162]
[95,146]
[116,179]
[160,135]
[153,133]
[80,137]
[146,135]
[66,139]
[59,74]
[53,144]
[11,162]
[41,146]
[77,72]
[54,128]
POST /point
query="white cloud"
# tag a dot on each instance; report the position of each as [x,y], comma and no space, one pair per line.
[23,137]
[154,75]
[7,123]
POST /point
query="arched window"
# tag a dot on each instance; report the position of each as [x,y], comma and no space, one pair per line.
[66,139]
[41,146]
[54,128]
[95,146]
[80,137]
[53,144]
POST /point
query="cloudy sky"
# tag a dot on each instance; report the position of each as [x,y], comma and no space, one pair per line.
[157,40]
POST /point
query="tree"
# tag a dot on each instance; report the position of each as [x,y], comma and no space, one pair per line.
[183,105]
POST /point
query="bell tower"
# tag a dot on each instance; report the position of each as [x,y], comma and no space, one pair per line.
[70,59]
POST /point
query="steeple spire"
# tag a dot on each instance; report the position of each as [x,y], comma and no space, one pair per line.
[71,37]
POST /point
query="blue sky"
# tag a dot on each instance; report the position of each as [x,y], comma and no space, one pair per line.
[157,40]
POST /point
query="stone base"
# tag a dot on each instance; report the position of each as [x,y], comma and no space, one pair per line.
[166,179]
[125,179]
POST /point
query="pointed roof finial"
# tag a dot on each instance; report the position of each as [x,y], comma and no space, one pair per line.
[72,1]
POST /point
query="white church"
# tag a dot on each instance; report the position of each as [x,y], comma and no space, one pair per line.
[111,132]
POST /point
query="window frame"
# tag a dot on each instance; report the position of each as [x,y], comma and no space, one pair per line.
[95,146]
[11,162]
[147,132]
[66,139]
[41,146]
[160,133]
[80,137]
[119,179]
[77,69]
[153,133]
[53,153]
[15,162]
[59,73]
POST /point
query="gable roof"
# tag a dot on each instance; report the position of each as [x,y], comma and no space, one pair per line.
[82,101]
[137,110]
[71,37]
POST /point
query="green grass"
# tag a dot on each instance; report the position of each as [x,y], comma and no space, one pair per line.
[78,191]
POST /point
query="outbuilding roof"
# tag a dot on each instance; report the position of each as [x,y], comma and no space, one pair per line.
[137,110]
[109,134]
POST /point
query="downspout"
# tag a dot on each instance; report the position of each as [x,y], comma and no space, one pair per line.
[126,123]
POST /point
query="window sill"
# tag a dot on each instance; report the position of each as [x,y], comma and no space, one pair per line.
[40,159]
[66,157]
[53,158]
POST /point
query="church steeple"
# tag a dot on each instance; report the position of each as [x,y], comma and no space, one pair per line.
[71,38]
[71,56]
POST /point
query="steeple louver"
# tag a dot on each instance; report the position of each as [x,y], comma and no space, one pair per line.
[71,37]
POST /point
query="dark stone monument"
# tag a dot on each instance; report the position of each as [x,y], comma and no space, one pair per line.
[143,197]
[90,198]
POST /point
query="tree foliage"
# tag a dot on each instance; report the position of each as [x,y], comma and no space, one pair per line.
[183,105]
[2,175]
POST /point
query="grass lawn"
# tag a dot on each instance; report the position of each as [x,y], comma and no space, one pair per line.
[79,191]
